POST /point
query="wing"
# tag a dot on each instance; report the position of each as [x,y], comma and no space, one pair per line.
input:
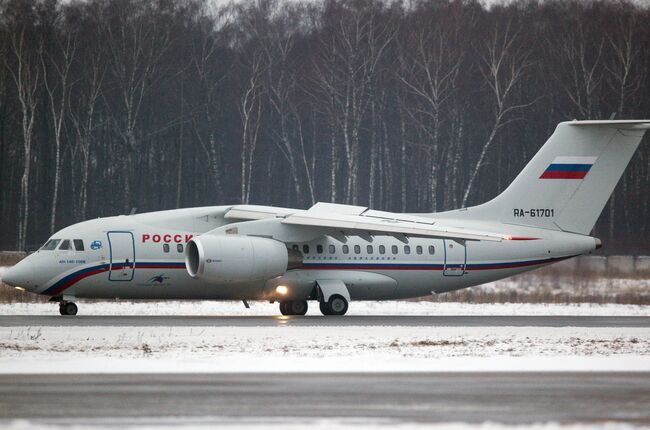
[254,212]
[337,220]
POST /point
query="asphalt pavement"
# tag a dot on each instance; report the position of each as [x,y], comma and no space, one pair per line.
[509,398]
[320,321]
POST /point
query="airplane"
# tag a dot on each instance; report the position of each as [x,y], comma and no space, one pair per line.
[334,253]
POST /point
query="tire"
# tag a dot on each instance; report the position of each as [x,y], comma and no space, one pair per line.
[284,308]
[298,307]
[325,308]
[337,305]
[68,308]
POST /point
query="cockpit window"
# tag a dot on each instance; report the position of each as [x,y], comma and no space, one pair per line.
[79,244]
[65,245]
[50,244]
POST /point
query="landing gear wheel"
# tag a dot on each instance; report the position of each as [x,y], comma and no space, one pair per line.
[336,305]
[324,308]
[297,307]
[67,308]
[284,309]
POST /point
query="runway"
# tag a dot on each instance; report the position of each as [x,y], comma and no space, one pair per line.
[368,369]
[519,398]
[319,321]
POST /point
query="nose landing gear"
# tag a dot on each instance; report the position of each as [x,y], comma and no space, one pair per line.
[67,308]
[296,307]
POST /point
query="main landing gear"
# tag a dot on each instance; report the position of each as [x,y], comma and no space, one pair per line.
[67,308]
[295,307]
[336,305]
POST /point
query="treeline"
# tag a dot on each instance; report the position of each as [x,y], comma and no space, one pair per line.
[106,106]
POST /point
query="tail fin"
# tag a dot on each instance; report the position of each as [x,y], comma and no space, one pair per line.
[568,182]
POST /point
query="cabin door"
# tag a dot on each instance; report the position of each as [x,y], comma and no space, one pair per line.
[455,258]
[122,252]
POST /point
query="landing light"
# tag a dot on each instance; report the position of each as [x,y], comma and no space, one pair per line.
[20,288]
[281,289]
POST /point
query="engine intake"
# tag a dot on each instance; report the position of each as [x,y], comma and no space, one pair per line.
[231,258]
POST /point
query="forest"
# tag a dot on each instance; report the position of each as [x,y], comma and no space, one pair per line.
[110,107]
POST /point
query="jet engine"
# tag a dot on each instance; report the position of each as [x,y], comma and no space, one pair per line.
[231,258]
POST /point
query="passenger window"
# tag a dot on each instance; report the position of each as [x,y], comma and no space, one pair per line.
[369,249]
[418,249]
[432,250]
[346,249]
[65,245]
[179,248]
[295,247]
[394,249]
[165,247]
[319,249]
[332,249]
[382,249]
[50,244]
[357,249]
[79,244]
[305,249]
[407,249]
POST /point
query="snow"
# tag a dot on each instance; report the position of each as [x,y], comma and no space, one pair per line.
[567,285]
[234,308]
[307,349]
[348,348]
[290,423]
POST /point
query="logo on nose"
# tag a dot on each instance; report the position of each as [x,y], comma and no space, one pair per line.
[97,244]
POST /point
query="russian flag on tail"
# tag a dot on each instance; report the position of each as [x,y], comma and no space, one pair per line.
[569,168]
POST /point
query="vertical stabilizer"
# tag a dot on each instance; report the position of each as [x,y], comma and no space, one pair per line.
[568,182]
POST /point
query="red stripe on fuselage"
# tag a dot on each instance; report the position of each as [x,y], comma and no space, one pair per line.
[70,282]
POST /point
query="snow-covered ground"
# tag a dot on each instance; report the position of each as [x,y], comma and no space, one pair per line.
[566,285]
[282,347]
[312,348]
[356,308]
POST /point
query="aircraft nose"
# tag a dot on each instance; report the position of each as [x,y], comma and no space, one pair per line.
[20,275]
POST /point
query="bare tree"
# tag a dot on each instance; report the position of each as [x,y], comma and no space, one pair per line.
[622,80]
[136,42]
[83,116]
[503,66]
[355,43]
[429,69]
[56,78]
[580,48]
[26,74]
[212,75]
[277,36]
[250,111]
[626,46]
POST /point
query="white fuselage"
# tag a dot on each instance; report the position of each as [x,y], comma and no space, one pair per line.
[143,257]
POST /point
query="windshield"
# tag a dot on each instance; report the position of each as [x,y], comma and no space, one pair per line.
[50,244]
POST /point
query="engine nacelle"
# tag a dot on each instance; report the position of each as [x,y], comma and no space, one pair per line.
[231,258]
